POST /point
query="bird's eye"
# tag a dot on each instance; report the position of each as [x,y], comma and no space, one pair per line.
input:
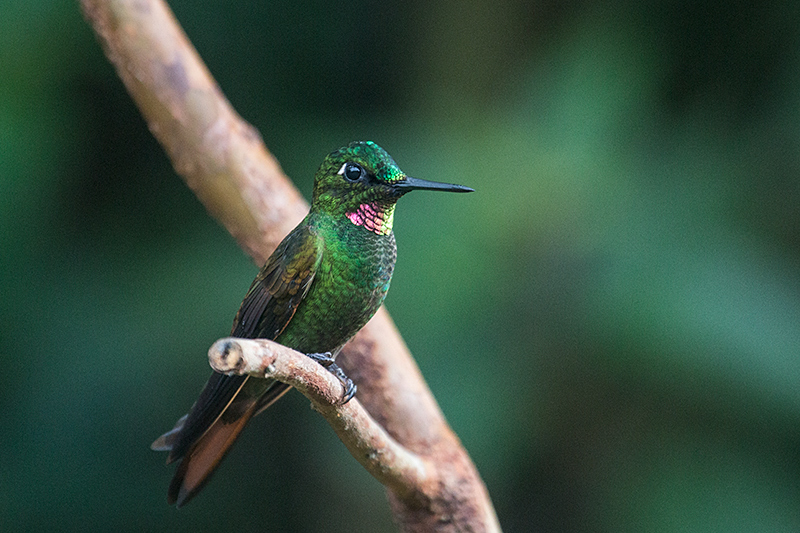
[353,172]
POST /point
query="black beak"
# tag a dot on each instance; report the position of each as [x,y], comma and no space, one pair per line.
[415,184]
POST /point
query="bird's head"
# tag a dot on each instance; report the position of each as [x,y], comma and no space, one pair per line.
[362,182]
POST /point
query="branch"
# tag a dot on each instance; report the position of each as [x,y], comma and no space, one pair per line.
[390,463]
[220,156]
[223,160]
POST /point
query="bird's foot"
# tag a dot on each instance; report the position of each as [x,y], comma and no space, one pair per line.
[327,362]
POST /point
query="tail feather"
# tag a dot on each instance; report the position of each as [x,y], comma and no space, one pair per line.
[273,394]
[203,457]
[167,441]
[202,438]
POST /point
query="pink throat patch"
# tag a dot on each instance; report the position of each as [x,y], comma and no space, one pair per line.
[375,218]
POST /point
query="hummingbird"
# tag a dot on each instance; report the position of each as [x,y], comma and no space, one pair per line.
[322,283]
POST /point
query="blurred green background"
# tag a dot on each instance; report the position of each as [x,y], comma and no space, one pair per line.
[611,323]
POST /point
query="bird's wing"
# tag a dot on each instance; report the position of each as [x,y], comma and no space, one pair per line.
[226,404]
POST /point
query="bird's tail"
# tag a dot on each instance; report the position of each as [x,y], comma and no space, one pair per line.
[202,438]
[205,455]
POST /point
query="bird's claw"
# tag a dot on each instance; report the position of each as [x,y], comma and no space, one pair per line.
[327,362]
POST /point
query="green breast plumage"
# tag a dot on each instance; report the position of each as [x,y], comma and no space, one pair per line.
[350,285]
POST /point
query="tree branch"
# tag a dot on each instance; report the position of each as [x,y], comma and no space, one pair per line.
[389,462]
[223,160]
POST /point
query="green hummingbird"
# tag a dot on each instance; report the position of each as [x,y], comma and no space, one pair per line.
[324,281]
